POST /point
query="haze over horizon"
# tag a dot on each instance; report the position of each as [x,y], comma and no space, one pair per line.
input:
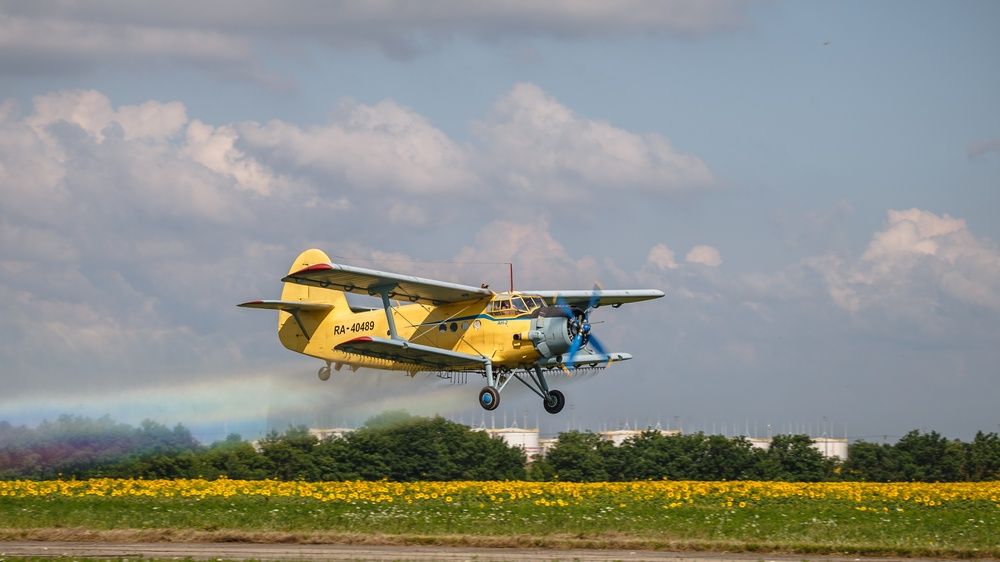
[814,185]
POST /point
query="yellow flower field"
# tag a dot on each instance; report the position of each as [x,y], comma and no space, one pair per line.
[738,494]
[960,519]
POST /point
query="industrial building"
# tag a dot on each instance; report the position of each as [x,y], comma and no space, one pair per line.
[529,439]
[526,439]
[330,432]
[619,436]
[829,447]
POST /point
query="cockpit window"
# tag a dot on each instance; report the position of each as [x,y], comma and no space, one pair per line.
[516,305]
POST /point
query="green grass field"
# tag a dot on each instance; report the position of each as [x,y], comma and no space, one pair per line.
[893,519]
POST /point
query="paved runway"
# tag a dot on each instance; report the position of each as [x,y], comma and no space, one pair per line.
[247,551]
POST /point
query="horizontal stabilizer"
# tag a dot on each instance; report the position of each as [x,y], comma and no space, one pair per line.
[288,306]
[409,352]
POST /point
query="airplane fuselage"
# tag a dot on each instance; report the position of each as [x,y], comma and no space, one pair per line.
[464,327]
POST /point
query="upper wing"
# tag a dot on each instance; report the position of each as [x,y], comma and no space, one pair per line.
[409,352]
[288,306]
[363,281]
[600,297]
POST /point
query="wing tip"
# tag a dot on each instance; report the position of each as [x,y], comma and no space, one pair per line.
[314,267]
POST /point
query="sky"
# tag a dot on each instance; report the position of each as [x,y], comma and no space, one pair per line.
[815,186]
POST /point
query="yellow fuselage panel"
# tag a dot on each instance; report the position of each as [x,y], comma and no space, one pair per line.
[461,327]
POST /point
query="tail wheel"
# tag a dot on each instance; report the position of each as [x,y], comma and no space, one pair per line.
[554,402]
[489,398]
[323,373]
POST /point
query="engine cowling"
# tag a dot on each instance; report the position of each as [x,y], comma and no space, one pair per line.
[551,332]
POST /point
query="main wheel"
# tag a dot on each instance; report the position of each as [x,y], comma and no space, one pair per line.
[489,398]
[323,373]
[554,402]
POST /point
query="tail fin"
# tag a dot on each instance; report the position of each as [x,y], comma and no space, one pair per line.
[289,331]
[296,292]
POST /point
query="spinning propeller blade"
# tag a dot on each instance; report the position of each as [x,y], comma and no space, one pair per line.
[573,348]
[583,335]
[566,310]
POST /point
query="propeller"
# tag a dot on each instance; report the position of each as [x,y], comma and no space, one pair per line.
[579,326]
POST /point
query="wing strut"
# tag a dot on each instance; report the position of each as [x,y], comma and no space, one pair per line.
[295,315]
[383,291]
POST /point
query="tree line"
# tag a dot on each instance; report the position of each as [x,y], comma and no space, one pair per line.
[399,447]
[393,446]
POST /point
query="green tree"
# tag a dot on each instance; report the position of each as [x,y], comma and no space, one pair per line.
[726,459]
[983,460]
[540,470]
[578,457]
[930,457]
[431,449]
[793,458]
[288,456]
[233,458]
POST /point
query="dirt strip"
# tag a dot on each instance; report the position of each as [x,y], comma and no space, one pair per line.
[244,551]
[556,547]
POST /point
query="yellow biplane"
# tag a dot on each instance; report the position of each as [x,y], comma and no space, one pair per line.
[428,325]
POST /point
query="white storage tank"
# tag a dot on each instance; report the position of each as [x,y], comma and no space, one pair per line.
[526,439]
[324,433]
[831,447]
[619,436]
[547,444]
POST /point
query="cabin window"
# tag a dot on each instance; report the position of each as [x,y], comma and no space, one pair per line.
[442,327]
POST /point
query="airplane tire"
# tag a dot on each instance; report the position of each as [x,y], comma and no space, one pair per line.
[555,402]
[489,398]
[323,373]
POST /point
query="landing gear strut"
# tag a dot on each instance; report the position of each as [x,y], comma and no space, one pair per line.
[489,397]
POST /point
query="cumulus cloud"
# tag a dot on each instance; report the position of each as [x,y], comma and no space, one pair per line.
[542,261]
[59,36]
[531,145]
[382,146]
[102,205]
[91,111]
[914,266]
[215,148]
[531,141]
[661,257]
[76,146]
[704,255]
